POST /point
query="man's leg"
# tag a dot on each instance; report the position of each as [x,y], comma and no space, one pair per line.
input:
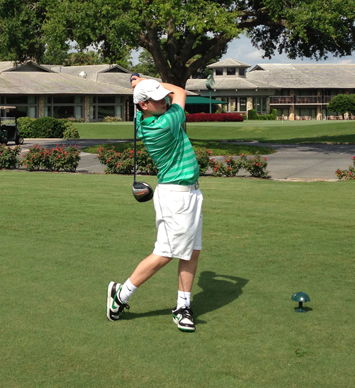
[182,314]
[187,271]
[118,295]
[147,268]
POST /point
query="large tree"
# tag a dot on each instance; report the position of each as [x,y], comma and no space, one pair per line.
[183,36]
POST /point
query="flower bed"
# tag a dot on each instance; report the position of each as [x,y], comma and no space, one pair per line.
[56,159]
[203,117]
[229,166]
[122,163]
[347,175]
[9,157]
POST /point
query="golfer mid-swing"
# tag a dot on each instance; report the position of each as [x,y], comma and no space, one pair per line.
[177,198]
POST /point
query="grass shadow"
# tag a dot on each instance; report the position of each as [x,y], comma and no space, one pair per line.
[217,291]
[342,139]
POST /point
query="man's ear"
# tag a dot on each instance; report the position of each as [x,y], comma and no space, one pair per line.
[143,105]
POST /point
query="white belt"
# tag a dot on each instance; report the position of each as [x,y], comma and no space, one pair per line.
[172,187]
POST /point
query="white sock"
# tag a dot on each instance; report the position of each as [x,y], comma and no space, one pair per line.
[184,299]
[127,290]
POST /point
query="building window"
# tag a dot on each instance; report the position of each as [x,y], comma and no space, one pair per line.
[104,106]
[219,71]
[242,71]
[259,104]
[242,104]
[230,70]
[16,100]
[25,105]
[64,107]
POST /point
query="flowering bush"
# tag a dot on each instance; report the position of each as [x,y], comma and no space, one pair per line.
[194,117]
[256,166]
[57,159]
[203,159]
[9,157]
[64,159]
[122,162]
[347,175]
[229,166]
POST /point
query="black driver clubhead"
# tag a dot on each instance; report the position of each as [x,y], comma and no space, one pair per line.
[142,192]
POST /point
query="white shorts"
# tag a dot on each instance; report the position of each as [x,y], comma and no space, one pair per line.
[178,219]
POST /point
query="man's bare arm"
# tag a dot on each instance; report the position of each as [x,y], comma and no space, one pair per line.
[178,96]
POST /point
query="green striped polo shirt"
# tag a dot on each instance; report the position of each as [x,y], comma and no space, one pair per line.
[169,146]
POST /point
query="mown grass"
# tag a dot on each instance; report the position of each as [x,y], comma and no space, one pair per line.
[64,236]
[216,147]
[263,131]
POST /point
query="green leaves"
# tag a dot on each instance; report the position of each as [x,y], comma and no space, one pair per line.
[181,36]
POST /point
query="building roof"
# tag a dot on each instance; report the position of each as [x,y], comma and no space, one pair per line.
[283,76]
[54,83]
[304,76]
[229,62]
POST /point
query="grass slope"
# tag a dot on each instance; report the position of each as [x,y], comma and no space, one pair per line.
[64,236]
[216,147]
[264,131]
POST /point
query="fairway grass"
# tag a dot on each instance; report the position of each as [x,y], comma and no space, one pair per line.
[287,132]
[65,236]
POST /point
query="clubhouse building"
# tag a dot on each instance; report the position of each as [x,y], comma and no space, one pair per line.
[91,93]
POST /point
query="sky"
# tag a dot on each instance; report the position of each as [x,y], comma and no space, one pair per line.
[242,50]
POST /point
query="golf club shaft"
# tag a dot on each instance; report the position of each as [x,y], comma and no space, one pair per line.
[135,135]
[135,145]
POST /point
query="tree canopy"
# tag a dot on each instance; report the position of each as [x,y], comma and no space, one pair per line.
[342,103]
[181,36]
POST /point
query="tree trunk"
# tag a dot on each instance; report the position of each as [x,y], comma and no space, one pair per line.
[171,58]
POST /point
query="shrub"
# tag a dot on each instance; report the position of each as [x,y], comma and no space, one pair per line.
[229,166]
[75,120]
[123,162]
[256,166]
[347,175]
[111,119]
[56,159]
[203,117]
[64,159]
[25,126]
[48,127]
[252,115]
[9,157]
[70,131]
[203,159]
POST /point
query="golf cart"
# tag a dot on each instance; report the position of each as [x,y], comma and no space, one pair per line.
[8,127]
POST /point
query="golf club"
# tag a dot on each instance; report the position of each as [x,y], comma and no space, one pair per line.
[141,191]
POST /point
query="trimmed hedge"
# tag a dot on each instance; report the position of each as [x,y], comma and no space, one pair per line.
[46,127]
[203,117]
[253,115]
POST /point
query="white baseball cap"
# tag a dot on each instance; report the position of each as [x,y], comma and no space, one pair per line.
[149,89]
